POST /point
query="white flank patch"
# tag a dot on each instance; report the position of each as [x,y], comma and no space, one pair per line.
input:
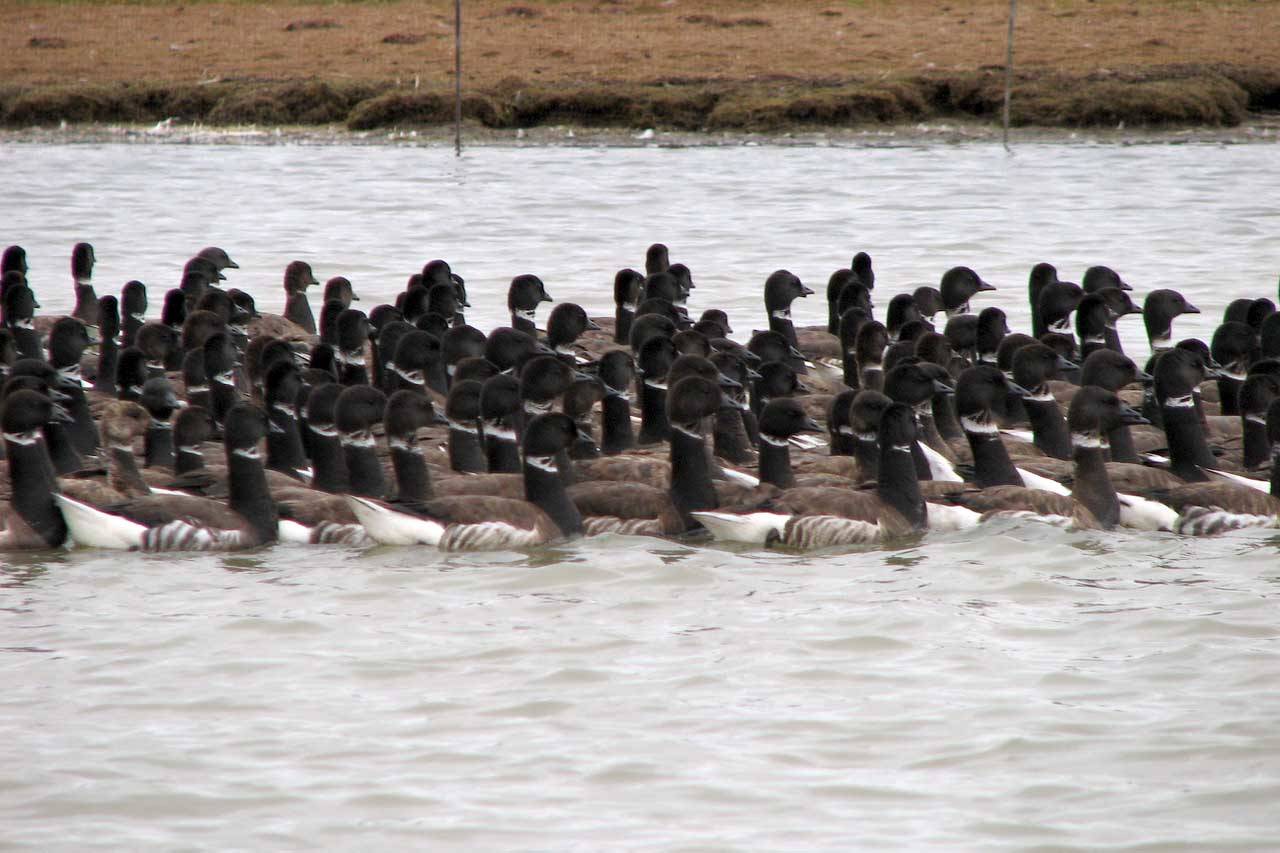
[1035,481]
[1146,514]
[1020,434]
[940,468]
[945,517]
[753,528]
[93,528]
[1239,479]
[290,532]
[386,526]
[740,477]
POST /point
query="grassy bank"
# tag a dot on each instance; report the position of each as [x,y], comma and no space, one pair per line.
[1199,95]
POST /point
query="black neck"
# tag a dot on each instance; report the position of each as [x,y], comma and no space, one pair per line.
[1050,428]
[867,452]
[898,486]
[775,462]
[730,439]
[328,462]
[465,453]
[297,309]
[1275,472]
[1188,450]
[221,398]
[158,446]
[28,343]
[353,371]
[545,489]
[849,367]
[128,478]
[413,482]
[616,434]
[622,318]
[61,450]
[1257,447]
[654,426]
[284,442]
[520,324]
[108,356]
[1122,447]
[841,443]
[501,451]
[991,461]
[584,446]
[1093,485]
[248,495]
[185,461]
[364,471]
[1229,395]
[944,417]
[129,326]
[31,479]
[82,431]
[691,486]
[784,327]
[86,304]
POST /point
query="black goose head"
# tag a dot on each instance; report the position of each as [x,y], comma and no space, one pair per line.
[1010,346]
[197,328]
[194,284]
[353,330]
[1092,318]
[1099,278]
[282,383]
[1158,312]
[684,278]
[11,278]
[159,399]
[1269,336]
[627,287]
[913,331]
[981,391]
[510,348]
[548,434]
[131,373]
[662,285]
[499,397]
[1259,311]
[782,288]
[566,323]
[656,259]
[648,326]
[19,305]
[695,365]
[692,399]
[1178,373]
[1237,311]
[617,371]
[720,319]
[415,352]
[837,282]
[1109,369]
[543,379]
[437,271]
[1096,411]
[475,367]
[934,348]
[383,314]
[992,327]
[108,318]
[1042,275]
[665,308]
[358,408]
[25,409]
[14,259]
[68,339]
[205,267]
[777,379]
[465,403]
[442,299]
[406,413]
[870,343]
[192,427]
[958,286]
[322,405]
[928,301]
[655,359]
[220,355]
[865,412]
[861,264]
[413,303]
[854,295]
[851,323]
[245,426]
[901,311]
[1057,301]
[690,342]
[263,354]
[962,331]
[219,257]
[389,337]
[911,383]
[133,299]
[769,345]
[82,260]
[838,424]
[1035,364]
[461,342]
[525,293]
[1235,346]
[339,288]
[216,301]
[1118,302]
[298,277]
[784,417]
[581,396]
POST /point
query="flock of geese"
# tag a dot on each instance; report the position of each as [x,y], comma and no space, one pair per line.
[407,426]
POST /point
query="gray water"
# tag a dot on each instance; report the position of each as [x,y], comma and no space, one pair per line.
[1020,688]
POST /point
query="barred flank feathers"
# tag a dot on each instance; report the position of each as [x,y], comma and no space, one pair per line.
[597,525]
[487,536]
[332,533]
[182,535]
[828,531]
[1211,520]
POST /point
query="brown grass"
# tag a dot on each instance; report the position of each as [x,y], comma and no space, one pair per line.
[723,64]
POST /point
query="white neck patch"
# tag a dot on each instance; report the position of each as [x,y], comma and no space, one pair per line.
[1089,441]
[494,428]
[327,431]
[248,452]
[23,438]
[543,463]
[361,438]
[980,427]
[413,376]
[456,426]
[1187,401]
[524,314]
[773,440]
[781,314]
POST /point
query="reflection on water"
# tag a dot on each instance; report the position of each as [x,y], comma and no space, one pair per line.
[1027,687]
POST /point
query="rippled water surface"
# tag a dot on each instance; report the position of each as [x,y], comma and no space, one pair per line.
[1019,688]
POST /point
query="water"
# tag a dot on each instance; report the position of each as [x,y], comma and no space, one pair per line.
[1021,688]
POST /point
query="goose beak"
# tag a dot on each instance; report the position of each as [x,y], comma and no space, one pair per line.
[1190,309]
[1015,388]
[545,297]
[61,415]
[728,382]
[940,387]
[983,286]
[579,376]
[1143,376]
[753,375]
[1131,417]
[805,291]
[592,325]
[810,425]
[1064,363]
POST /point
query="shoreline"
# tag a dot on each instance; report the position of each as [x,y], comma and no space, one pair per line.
[1262,129]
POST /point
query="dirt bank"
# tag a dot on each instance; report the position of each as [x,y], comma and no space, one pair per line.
[672,65]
